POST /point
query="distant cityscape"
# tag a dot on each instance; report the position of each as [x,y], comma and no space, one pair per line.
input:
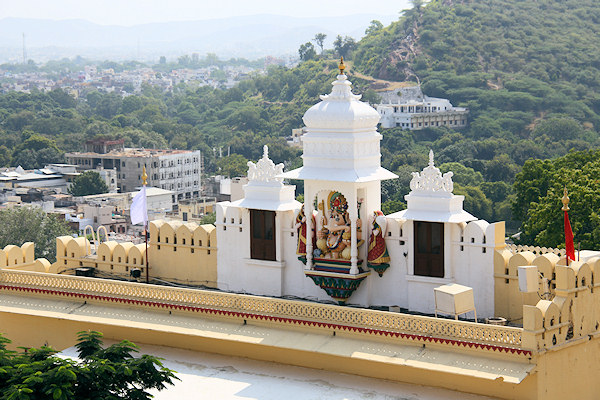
[130,81]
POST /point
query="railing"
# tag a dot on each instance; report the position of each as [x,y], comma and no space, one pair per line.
[365,320]
[517,248]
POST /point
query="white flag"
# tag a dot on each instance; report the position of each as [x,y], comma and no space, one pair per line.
[139,208]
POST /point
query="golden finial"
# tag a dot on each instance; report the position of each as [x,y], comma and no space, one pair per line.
[565,201]
[144,176]
[342,66]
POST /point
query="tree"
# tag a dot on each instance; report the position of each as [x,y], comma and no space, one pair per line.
[23,224]
[374,27]
[233,165]
[36,151]
[307,51]
[343,46]
[319,39]
[99,373]
[475,201]
[539,189]
[89,182]
[417,4]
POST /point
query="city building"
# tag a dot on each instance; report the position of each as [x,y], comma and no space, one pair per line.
[176,170]
[295,140]
[409,108]
[193,210]
[39,178]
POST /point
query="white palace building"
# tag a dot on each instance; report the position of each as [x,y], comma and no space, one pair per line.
[408,108]
[350,252]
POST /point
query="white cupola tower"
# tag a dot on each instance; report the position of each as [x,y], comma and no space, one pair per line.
[342,161]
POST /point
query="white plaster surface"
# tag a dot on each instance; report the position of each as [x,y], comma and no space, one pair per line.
[210,376]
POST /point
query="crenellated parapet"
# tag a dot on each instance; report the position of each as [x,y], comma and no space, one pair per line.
[22,258]
[183,252]
[177,252]
[569,308]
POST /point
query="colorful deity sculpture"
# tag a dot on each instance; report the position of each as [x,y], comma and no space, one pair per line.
[301,228]
[334,237]
[378,257]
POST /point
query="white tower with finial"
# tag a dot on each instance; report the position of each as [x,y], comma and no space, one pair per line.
[342,154]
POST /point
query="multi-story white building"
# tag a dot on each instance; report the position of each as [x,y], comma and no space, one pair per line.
[176,170]
[408,108]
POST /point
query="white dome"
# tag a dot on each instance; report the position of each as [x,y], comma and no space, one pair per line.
[341,110]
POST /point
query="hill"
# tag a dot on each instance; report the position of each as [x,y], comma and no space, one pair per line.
[522,60]
[527,70]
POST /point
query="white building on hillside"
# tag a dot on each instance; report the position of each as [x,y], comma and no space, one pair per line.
[408,108]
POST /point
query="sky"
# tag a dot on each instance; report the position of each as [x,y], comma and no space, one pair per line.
[134,12]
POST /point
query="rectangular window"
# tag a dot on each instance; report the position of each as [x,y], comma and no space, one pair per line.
[262,239]
[429,249]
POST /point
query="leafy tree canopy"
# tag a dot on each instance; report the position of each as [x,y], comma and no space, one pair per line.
[23,224]
[89,182]
[539,189]
[307,51]
[101,373]
[233,165]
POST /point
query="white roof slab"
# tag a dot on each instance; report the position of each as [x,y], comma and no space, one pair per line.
[236,378]
[433,216]
[269,205]
[339,175]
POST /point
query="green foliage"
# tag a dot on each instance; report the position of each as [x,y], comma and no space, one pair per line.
[319,39]
[344,46]
[539,189]
[89,182]
[307,51]
[374,27]
[208,219]
[233,166]
[476,202]
[36,152]
[100,373]
[526,71]
[462,175]
[22,224]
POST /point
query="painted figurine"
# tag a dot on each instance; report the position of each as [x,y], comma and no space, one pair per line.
[301,228]
[378,257]
[334,237]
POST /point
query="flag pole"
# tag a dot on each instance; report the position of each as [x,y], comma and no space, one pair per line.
[569,245]
[144,179]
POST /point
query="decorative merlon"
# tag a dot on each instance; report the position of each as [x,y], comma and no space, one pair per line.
[431,181]
[265,172]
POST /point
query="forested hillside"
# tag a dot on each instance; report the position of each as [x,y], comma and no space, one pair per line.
[527,70]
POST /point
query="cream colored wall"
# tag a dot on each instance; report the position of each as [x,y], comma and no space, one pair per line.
[574,309]
[23,258]
[177,252]
[563,370]
[61,333]
[509,301]
[183,252]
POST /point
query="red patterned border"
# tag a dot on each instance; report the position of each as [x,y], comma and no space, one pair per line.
[420,338]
